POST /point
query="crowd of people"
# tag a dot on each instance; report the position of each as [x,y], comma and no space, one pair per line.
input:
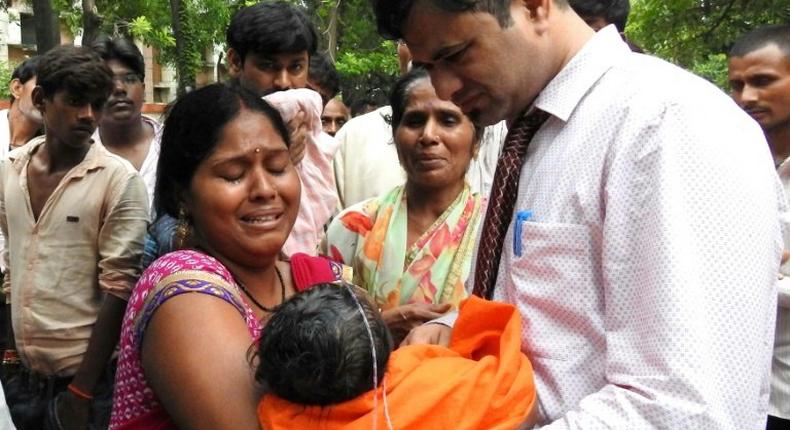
[545,227]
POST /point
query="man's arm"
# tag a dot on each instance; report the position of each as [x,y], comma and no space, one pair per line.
[435,332]
[120,243]
[11,342]
[102,343]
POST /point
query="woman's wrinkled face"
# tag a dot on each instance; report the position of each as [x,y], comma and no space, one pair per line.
[244,197]
[435,140]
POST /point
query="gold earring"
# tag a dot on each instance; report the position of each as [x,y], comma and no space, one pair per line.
[183,229]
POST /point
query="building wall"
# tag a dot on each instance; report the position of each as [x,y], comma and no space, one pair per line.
[160,82]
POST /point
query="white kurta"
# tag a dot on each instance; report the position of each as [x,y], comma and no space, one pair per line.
[647,274]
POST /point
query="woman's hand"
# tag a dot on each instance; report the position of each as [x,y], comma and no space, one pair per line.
[402,319]
[298,126]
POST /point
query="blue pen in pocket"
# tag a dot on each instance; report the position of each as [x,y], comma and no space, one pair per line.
[521,217]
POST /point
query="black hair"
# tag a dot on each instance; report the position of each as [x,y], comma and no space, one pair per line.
[391,15]
[758,38]
[361,106]
[122,50]
[25,71]
[315,349]
[399,98]
[612,11]
[271,28]
[192,128]
[323,73]
[76,69]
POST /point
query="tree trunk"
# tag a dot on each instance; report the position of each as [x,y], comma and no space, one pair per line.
[47,26]
[91,22]
[332,31]
[185,76]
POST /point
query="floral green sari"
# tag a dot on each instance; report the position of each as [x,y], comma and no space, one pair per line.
[371,237]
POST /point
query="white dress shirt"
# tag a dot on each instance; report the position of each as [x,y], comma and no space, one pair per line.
[646,277]
[780,368]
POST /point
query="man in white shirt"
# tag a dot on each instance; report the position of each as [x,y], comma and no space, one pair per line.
[18,124]
[759,73]
[21,121]
[643,258]
[124,130]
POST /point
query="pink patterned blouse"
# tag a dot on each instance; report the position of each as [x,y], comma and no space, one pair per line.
[185,271]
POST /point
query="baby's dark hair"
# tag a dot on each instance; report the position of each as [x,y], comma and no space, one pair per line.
[315,349]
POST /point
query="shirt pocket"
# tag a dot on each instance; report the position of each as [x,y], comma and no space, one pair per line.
[555,281]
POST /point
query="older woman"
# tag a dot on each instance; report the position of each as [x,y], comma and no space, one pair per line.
[411,247]
[225,173]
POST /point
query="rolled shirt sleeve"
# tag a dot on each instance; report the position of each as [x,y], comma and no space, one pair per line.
[122,238]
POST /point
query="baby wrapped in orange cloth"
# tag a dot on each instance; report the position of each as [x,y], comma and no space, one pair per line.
[317,370]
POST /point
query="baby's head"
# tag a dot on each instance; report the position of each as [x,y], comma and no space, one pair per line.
[315,348]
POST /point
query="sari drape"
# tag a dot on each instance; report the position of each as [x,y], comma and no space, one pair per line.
[371,237]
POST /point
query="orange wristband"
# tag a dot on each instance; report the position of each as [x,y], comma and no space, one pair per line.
[79,393]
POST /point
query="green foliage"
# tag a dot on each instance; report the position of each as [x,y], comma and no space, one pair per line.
[356,63]
[5,77]
[203,23]
[697,34]
[368,64]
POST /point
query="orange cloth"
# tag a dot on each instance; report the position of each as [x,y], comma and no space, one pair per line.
[482,381]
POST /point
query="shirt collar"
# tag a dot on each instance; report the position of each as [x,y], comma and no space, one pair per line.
[93,158]
[563,93]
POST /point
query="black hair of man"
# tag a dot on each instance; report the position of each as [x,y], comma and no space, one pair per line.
[25,71]
[271,28]
[391,15]
[362,106]
[612,11]
[76,69]
[315,348]
[124,51]
[778,35]
[323,73]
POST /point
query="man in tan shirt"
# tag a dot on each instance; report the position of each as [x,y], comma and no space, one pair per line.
[74,216]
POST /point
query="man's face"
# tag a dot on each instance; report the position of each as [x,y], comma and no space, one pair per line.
[126,99]
[264,74]
[24,102]
[490,72]
[760,82]
[70,119]
[334,116]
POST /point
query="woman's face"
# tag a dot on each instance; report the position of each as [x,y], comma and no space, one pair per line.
[435,140]
[244,197]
